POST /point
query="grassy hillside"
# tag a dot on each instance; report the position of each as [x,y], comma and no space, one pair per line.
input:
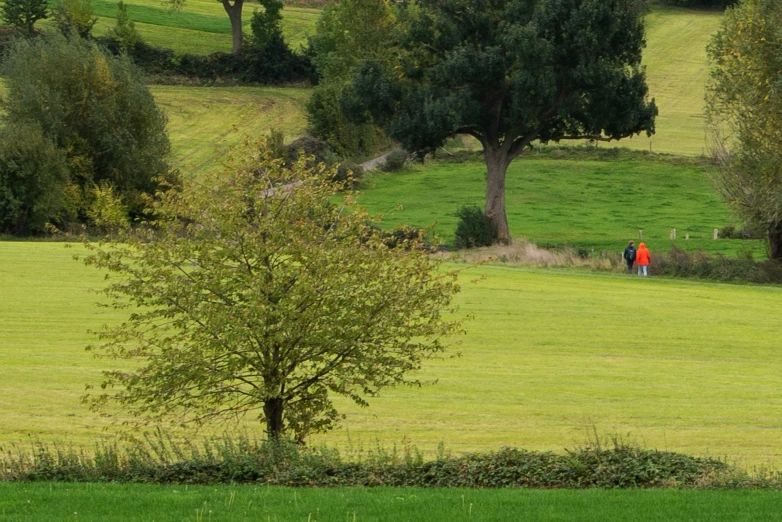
[599,204]
[683,366]
[205,121]
[131,503]
[677,70]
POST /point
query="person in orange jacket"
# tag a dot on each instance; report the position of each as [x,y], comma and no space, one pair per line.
[642,259]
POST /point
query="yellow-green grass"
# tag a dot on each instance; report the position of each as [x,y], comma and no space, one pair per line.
[205,121]
[46,502]
[593,204]
[677,365]
[677,70]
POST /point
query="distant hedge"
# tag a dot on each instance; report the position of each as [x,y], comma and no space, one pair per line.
[700,3]
[275,64]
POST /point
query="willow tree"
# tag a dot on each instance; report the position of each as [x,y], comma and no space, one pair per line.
[744,97]
[508,72]
[252,294]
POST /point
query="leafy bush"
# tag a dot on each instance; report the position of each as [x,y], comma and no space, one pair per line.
[75,16]
[734,232]
[395,160]
[124,31]
[95,108]
[327,122]
[473,229]
[161,461]
[23,14]
[320,152]
[33,178]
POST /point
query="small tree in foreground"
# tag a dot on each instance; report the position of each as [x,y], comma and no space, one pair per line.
[253,294]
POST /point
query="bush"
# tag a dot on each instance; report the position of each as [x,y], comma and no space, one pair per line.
[23,14]
[327,122]
[473,229]
[161,461]
[679,263]
[701,3]
[75,16]
[33,179]
[395,160]
[124,31]
[94,107]
[734,232]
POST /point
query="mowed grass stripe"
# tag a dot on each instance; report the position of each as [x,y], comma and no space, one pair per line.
[204,122]
[130,503]
[677,365]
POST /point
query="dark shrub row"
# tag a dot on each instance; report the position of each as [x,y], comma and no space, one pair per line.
[273,64]
[243,461]
[744,268]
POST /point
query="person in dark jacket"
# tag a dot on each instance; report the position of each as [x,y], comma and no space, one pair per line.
[629,256]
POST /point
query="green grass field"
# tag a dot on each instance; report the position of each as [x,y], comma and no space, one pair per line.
[205,121]
[112,502]
[600,204]
[668,364]
[677,70]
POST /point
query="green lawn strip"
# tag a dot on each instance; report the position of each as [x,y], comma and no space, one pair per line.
[600,204]
[550,355]
[127,503]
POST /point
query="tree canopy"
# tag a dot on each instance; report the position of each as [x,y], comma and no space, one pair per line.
[508,72]
[252,294]
[744,99]
[23,14]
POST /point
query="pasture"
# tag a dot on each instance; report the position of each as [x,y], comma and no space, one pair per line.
[600,204]
[204,122]
[130,503]
[549,356]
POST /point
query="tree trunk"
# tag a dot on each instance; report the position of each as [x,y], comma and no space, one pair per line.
[497,165]
[272,410]
[235,15]
[775,243]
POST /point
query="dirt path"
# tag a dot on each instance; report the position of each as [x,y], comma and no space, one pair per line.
[374,163]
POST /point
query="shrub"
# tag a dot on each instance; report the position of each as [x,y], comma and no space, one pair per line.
[33,178]
[395,160]
[320,152]
[679,263]
[124,31]
[117,136]
[473,229]
[23,14]
[75,16]
[162,461]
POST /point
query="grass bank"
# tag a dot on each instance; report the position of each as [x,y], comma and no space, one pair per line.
[675,365]
[592,204]
[128,503]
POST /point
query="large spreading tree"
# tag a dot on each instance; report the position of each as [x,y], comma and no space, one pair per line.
[508,72]
[744,100]
[253,294]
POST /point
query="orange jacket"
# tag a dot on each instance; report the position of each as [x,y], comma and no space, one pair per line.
[643,257]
